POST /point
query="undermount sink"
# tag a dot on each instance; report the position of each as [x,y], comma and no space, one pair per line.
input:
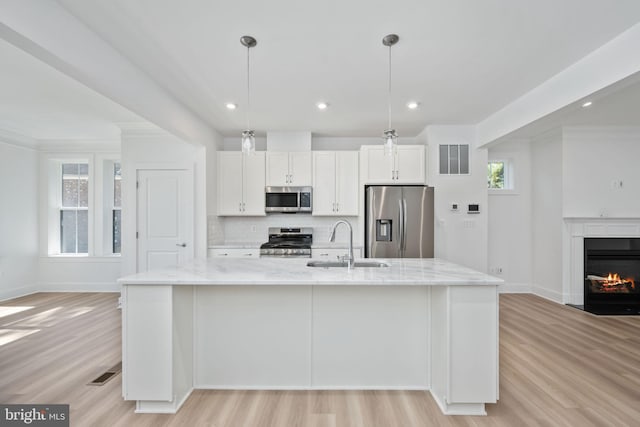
[328,264]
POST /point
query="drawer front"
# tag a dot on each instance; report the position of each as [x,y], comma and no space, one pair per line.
[234,253]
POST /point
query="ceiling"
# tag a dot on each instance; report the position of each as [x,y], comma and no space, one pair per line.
[39,102]
[616,105]
[461,59]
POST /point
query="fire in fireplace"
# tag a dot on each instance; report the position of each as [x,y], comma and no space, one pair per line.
[612,268]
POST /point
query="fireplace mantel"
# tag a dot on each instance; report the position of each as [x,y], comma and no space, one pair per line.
[575,230]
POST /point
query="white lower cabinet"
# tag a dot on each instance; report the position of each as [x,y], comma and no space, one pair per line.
[234,253]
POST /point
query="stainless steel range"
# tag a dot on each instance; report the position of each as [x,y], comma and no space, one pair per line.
[288,242]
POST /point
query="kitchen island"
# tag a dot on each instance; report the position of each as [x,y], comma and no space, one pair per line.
[272,323]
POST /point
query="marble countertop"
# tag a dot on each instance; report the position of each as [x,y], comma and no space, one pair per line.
[294,271]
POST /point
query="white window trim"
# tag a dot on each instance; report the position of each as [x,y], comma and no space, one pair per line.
[104,194]
[51,201]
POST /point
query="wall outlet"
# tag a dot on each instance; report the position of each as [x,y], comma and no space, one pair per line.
[253,228]
[495,270]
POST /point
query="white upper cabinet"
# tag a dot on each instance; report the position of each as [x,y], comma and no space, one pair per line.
[288,168]
[241,184]
[335,183]
[405,165]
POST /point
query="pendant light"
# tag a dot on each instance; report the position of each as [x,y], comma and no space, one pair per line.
[390,136]
[248,136]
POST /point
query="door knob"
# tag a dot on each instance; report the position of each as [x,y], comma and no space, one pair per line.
[182,245]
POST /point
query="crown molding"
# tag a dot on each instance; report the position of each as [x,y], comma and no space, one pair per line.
[79,145]
[17,139]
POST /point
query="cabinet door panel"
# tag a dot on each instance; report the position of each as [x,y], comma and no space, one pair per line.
[229,183]
[410,164]
[300,168]
[277,168]
[253,182]
[324,183]
[379,165]
[347,182]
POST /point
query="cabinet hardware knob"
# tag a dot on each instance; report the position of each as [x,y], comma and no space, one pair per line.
[182,245]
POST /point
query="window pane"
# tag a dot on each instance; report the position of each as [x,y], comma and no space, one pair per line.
[496,175]
[444,159]
[83,232]
[75,184]
[74,232]
[70,169]
[69,190]
[68,232]
[117,215]
[83,192]
[117,180]
[464,158]
[453,159]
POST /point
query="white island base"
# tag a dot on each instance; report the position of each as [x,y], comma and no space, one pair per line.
[277,324]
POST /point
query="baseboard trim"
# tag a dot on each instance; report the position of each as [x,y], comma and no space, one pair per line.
[514,288]
[79,287]
[13,293]
[548,294]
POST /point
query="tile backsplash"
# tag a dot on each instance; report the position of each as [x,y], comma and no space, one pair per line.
[230,230]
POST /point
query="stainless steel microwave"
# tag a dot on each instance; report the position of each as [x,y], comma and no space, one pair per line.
[287,199]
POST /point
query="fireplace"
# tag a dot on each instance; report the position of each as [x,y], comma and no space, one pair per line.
[612,275]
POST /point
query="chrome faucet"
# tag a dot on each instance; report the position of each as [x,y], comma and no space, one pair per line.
[332,238]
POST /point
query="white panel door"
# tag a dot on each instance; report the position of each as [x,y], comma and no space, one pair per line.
[165,218]
[347,182]
[324,183]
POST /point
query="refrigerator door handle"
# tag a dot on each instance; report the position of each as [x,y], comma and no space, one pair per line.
[401,218]
[404,226]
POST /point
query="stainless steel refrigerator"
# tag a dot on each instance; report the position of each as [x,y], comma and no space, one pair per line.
[399,221]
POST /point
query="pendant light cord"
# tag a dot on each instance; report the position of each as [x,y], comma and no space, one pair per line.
[389,94]
[248,90]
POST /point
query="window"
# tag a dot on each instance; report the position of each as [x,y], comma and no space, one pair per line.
[117,209]
[454,159]
[74,209]
[83,204]
[499,175]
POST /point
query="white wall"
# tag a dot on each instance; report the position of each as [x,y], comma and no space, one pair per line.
[547,223]
[510,237]
[459,237]
[18,220]
[594,159]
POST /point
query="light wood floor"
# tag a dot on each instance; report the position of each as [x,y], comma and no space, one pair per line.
[558,367]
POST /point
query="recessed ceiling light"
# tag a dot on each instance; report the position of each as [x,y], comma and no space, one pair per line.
[231,106]
[587,104]
[322,105]
[413,105]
